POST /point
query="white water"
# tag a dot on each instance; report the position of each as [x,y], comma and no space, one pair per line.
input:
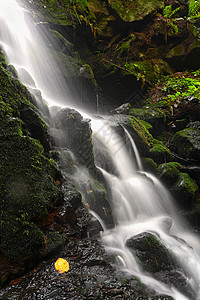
[23,42]
[139,202]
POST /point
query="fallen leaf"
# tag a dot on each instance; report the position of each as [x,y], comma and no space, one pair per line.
[61,265]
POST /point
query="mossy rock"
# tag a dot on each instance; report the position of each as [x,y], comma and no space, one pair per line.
[135,10]
[153,115]
[193,172]
[149,165]
[160,153]
[149,70]
[186,143]
[154,257]
[20,238]
[27,186]
[142,136]
[185,191]
[97,199]
[169,172]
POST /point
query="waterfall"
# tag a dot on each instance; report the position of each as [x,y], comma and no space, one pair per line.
[36,66]
[139,202]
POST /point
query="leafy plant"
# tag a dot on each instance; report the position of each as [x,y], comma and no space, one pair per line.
[194,8]
[168,12]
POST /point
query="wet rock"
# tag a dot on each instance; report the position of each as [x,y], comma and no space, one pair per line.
[188,108]
[169,172]
[160,153]
[90,276]
[193,172]
[136,10]
[153,256]
[157,259]
[35,126]
[153,115]
[123,109]
[149,165]
[75,134]
[26,78]
[185,190]
[186,143]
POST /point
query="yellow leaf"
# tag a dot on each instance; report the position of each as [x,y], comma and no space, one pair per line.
[61,265]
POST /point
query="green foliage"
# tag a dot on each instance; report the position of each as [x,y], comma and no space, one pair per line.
[181,85]
[194,8]
[168,12]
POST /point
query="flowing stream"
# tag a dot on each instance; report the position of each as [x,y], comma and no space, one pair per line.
[139,201]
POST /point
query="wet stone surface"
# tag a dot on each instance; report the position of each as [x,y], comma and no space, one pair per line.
[90,277]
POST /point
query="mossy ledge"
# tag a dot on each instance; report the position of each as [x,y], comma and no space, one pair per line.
[28,178]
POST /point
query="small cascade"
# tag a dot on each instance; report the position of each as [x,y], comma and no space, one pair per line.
[140,204]
[137,156]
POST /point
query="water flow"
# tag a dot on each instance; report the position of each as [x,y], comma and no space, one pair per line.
[23,41]
[139,202]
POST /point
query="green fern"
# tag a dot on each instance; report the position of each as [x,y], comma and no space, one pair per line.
[194,8]
[168,12]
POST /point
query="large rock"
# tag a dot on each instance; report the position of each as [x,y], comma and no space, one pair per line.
[157,259]
[135,10]
[73,132]
[186,143]
[185,190]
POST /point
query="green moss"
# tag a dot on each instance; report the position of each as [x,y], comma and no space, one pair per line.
[185,190]
[141,130]
[149,165]
[135,10]
[66,12]
[148,113]
[160,153]
[186,143]
[24,181]
[20,237]
[27,189]
[178,86]
[147,125]
[149,70]
[169,172]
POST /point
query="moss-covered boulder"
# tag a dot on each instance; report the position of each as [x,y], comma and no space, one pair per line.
[135,10]
[141,135]
[186,143]
[149,165]
[169,172]
[152,114]
[155,258]
[185,190]
[28,187]
[159,152]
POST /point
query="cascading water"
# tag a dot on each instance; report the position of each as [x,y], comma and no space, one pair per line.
[36,67]
[139,202]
